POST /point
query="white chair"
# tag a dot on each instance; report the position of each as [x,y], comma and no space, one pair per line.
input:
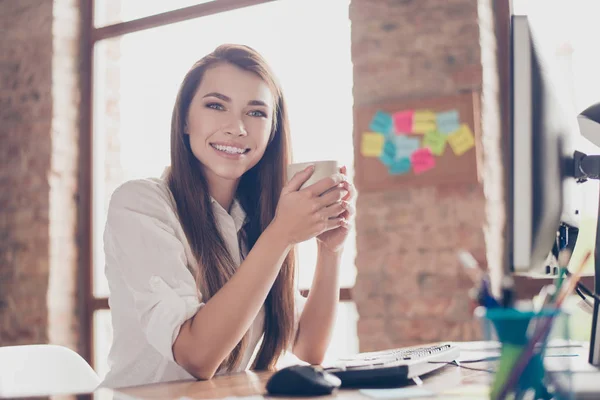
[39,370]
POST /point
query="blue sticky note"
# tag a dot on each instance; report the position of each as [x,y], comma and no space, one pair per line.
[448,121]
[388,154]
[382,122]
[398,393]
[405,145]
[400,166]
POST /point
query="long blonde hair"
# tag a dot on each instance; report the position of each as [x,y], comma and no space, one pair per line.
[258,193]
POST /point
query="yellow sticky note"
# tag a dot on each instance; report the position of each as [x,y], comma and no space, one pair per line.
[424,116]
[372,144]
[424,121]
[423,127]
[462,140]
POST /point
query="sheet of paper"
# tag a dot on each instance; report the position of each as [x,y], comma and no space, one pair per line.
[462,140]
[397,393]
[436,142]
[406,145]
[400,166]
[388,154]
[422,160]
[403,121]
[382,122]
[468,392]
[424,121]
[372,144]
[447,121]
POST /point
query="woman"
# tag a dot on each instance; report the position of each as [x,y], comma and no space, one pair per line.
[200,263]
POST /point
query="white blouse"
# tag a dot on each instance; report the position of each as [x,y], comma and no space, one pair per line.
[149,266]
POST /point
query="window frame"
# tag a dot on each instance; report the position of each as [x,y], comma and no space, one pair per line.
[92,35]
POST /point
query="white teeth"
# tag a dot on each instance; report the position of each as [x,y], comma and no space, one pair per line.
[229,149]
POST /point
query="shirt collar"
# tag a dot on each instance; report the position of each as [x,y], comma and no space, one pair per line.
[237,212]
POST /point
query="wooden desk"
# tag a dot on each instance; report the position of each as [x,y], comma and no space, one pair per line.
[249,383]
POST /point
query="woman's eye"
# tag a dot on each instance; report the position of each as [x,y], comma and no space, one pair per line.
[257,113]
[215,106]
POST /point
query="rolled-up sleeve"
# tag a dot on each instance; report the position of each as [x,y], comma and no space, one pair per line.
[145,258]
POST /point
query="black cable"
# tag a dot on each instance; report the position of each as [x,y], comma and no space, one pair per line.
[491,371]
[459,365]
[578,291]
[582,288]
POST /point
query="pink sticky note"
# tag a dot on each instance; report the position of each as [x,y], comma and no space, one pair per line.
[422,160]
[403,121]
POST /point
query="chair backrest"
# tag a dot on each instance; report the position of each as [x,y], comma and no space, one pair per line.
[39,370]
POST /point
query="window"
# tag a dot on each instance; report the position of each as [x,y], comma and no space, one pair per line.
[136,77]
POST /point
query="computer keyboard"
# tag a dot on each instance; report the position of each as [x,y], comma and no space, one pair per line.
[392,367]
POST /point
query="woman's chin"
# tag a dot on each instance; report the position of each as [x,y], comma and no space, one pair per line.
[228,173]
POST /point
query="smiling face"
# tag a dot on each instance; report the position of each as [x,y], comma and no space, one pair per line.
[229,121]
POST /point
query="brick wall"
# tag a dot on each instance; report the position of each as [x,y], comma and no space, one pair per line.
[409,286]
[25,125]
[38,153]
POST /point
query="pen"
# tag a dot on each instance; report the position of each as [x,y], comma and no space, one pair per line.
[479,279]
[508,285]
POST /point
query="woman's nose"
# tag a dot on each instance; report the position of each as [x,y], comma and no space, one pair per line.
[236,128]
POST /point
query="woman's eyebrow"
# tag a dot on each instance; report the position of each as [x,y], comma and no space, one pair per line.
[218,96]
[227,99]
[257,103]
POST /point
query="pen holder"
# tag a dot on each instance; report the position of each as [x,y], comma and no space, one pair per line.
[513,329]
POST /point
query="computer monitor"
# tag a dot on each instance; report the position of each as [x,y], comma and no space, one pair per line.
[538,188]
[543,167]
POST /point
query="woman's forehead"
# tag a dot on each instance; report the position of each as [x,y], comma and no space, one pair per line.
[236,83]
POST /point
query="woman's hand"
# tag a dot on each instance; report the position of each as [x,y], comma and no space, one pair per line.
[304,214]
[333,240]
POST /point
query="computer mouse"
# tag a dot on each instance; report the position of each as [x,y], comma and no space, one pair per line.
[302,380]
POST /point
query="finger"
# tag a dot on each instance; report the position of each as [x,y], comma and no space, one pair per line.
[332,197]
[350,210]
[298,179]
[351,191]
[334,223]
[333,211]
[344,170]
[325,184]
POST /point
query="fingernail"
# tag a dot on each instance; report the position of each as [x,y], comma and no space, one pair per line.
[344,204]
[310,167]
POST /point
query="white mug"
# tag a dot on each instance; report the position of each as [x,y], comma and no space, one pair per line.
[323,169]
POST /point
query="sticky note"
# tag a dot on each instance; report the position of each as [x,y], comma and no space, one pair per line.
[403,121]
[423,121]
[422,160]
[372,144]
[435,141]
[397,393]
[462,140]
[400,166]
[447,121]
[382,122]
[405,145]
[388,154]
